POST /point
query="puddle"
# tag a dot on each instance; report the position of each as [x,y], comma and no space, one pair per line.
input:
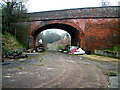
[38,75]
[36,72]
[70,61]
[12,60]
[49,68]
[7,76]
[9,69]
[6,63]
[31,73]
[22,61]
[22,73]
[12,80]
[86,63]
[31,53]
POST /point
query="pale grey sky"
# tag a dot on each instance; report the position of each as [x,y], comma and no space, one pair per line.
[46,5]
[58,31]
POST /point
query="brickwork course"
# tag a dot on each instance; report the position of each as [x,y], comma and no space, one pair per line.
[90,28]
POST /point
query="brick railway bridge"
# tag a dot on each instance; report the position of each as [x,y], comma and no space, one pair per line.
[90,28]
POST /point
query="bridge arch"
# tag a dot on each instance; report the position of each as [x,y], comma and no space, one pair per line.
[76,33]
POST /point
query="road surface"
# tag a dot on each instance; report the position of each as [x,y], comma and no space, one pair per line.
[53,70]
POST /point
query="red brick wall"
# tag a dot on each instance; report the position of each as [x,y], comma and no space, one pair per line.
[101,33]
[97,33]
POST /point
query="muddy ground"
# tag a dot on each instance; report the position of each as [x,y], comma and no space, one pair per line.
[57,70]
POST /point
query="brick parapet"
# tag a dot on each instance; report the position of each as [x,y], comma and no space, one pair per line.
[94,12]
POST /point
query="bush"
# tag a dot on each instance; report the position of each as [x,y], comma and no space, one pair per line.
[59,47]
[114,49]
[10,44]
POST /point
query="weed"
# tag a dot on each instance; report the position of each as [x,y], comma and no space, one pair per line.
[73,54]
[40,65]
[10,44]
[105,56]
[86,64]
[41,59]
[113,69]
[99,67]
[111,74]
[114,49]
[19,62]
[93,60]
[16,61]
[59,47]
[25,63]
[20,68]
[31,64]
[31,57]
[43,53]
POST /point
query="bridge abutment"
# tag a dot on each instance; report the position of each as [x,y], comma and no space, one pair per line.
[90,28]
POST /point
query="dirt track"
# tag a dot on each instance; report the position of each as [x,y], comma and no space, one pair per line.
[53,70]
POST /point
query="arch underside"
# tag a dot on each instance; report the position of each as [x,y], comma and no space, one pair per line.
[75,34]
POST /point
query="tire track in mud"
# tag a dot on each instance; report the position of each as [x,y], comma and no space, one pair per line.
[59,80]
[46,83]
[78,74]
[93,74]
[66,72]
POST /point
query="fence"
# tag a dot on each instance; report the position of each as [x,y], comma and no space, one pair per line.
[107,53]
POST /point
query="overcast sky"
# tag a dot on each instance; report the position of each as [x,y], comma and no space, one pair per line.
[46,5]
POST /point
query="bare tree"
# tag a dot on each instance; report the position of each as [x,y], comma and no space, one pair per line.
[12,12]
[49,37]
[104,3]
